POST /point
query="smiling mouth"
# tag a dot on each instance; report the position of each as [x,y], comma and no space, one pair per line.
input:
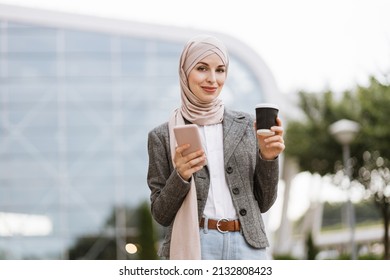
[210,89]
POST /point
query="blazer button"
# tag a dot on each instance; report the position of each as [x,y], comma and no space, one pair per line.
[229,170]
[242,212]
[236,191]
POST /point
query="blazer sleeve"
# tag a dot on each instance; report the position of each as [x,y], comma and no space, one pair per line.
[168,189]
[266,180]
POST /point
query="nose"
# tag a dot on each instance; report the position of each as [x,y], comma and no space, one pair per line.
[211,77]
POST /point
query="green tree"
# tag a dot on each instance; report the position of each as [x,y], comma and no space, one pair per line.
[103,246]
[317,151]
[147,236]
[311,248]
[375,176]
[93,248]
[140,230]
[309,140]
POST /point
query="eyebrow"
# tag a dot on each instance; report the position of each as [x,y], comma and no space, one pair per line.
[204,63]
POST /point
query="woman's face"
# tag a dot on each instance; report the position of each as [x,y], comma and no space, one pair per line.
[207,78]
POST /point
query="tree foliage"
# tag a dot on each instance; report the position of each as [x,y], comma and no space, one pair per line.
[104,247]
[310,142]
[311,248]
[374,117]
[147,235]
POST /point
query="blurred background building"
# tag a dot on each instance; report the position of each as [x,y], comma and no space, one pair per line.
[78,95]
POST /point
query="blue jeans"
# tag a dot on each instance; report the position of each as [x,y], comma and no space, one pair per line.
[228,246]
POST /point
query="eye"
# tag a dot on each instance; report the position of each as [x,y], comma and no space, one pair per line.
[201,68]
[221,70]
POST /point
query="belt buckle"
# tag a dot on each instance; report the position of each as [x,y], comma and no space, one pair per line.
[218,223]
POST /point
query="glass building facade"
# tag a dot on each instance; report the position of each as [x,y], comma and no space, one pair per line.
[76,105]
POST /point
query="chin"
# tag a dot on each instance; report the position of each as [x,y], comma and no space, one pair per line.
[209,99]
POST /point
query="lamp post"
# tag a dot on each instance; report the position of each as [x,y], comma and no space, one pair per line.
[344,131]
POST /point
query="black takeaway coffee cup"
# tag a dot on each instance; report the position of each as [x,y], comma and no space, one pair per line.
[266,114]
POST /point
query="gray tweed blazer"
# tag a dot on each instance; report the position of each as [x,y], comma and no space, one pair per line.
[252,181]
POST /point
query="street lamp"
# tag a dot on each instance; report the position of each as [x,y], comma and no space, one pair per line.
[344,131]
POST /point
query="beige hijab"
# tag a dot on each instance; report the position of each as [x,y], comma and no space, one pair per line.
[185,242]
[193,109]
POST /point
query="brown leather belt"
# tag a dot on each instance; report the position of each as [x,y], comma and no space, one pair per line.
[222,225]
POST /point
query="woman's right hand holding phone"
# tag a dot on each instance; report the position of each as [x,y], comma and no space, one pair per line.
[187,165]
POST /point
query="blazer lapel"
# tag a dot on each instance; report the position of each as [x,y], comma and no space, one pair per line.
[233,131]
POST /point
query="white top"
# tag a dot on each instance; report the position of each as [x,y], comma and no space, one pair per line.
[219,202]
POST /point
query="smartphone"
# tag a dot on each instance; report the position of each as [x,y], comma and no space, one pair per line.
[188,134]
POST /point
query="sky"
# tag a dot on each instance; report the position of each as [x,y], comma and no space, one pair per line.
[308,45]
[311,45]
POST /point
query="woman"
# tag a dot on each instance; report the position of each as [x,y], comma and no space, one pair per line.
[211,200]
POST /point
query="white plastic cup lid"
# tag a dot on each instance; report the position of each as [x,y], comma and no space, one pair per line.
[267,105]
